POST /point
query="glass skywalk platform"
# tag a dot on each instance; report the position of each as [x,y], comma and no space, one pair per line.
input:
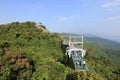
[75,51]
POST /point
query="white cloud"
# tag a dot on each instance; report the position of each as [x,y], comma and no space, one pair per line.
[62,18]
[111,5]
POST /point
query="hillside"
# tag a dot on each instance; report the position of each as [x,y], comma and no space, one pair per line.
[30,52]
[105,56]
[111,48]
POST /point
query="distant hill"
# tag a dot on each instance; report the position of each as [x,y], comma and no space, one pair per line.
[105,42]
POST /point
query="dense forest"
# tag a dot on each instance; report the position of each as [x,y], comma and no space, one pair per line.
[29,52]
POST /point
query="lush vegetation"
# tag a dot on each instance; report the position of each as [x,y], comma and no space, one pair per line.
[26,52]
[29,53]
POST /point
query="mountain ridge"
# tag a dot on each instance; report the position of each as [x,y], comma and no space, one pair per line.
[104,41]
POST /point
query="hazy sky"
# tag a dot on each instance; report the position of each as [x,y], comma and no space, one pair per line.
[99,17]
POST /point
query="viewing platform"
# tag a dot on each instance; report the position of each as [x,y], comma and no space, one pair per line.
[75,51]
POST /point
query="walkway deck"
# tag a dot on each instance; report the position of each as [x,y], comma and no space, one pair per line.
[78,65]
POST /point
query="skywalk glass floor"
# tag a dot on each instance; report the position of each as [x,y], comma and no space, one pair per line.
[78,62]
